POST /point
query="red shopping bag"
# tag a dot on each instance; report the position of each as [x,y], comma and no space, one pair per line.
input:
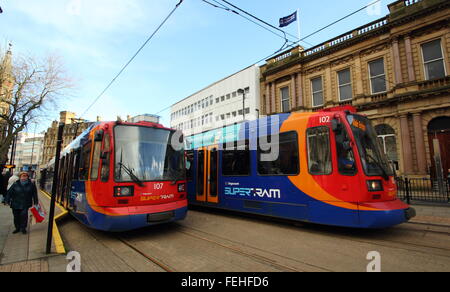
[38,213]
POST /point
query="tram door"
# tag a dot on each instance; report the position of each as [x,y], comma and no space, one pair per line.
[207,174]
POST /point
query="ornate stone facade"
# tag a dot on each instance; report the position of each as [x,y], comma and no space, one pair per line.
[73,128]
[395,70]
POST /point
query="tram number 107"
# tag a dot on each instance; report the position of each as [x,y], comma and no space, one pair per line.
[158,186]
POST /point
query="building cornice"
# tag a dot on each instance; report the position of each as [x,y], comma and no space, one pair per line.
[376,28]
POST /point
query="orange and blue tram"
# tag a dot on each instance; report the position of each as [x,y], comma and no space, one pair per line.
[119,176]
[321,167]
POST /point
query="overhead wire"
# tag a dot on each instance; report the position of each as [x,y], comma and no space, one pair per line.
[293,44]
[132,59]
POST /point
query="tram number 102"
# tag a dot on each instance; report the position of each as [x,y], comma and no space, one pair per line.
[324,120]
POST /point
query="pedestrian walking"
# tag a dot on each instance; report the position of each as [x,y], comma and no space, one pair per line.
[3,186]
[21,196]
[12,179]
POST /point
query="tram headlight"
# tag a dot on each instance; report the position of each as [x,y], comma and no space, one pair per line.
[375,185]
[124,191]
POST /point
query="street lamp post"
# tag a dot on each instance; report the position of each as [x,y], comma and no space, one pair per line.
[242,91]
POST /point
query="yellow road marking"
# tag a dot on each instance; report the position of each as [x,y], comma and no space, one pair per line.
[59,244]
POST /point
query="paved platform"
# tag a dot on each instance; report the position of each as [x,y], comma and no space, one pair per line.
[19,252]
[432,214]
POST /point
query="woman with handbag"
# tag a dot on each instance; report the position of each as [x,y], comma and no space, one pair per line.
[21,196]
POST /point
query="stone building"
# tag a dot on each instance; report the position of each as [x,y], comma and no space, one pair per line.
[395,70]
[6,84]
[72,129]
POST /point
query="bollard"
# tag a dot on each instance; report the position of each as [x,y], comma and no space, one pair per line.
[408,198]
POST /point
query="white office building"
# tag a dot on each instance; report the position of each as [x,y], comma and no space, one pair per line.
[219,104]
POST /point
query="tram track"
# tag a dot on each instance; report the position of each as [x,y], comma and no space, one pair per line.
[254,256]
[398,244]
[155,261]
[148,248]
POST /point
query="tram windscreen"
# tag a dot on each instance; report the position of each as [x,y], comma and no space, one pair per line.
[374,161]
[145,154]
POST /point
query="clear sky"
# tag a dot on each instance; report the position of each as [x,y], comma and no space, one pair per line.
[199,44]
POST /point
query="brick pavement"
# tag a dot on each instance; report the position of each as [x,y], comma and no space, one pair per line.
[432,214]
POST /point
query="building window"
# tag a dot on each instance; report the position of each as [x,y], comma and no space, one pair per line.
[377,76]
[317,91]
[345,85]
[433,60]
[285,104]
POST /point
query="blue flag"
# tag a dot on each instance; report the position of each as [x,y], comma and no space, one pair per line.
[285,21]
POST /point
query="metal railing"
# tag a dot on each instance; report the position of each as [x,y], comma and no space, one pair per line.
[423,189]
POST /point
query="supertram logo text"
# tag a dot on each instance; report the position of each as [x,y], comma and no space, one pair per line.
[253,192]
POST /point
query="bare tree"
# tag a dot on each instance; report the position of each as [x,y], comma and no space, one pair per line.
[36,86]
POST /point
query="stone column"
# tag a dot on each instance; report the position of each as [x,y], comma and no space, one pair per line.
[409,59]
[267,105]
[299,90]
[397,64]
[273,99]
[359,77]
[406,145]
[293,103]
[420,144]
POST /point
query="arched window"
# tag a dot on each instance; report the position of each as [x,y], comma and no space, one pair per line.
[388,141]
[439,124]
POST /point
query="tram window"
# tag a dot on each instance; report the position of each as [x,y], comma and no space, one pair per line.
[189,165]
[96,160]
[287,162]
[105,161]
[236,162]
[85,159]
[76,165]
[319,153]
[346,158]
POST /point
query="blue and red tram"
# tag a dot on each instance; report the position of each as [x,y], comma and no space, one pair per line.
[322,167]
[119,176]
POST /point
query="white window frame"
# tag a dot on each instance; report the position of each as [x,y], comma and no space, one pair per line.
[425,63]
[314,92]
[346,84]
[288,98]
[373,77]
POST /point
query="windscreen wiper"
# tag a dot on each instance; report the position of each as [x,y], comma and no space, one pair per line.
[131,174]
[385,175]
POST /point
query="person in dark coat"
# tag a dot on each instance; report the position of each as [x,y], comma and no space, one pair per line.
[3,186]
[21,196]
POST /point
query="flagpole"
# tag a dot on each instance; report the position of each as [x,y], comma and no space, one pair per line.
[298,24]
